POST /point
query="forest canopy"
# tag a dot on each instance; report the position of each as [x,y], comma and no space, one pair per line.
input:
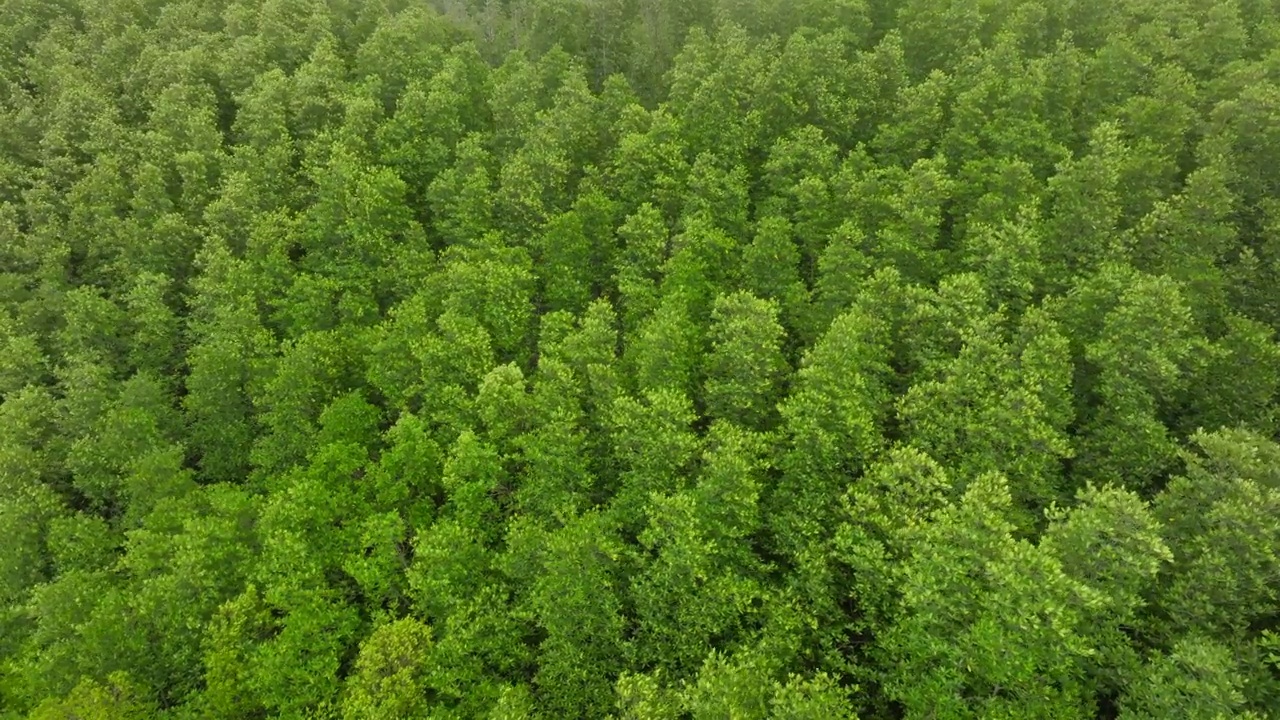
[643,359]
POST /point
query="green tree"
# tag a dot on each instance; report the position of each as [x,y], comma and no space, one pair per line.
[744,367]
[1235,384]
[226,362]
[390,675]
[459,197]
[563,263]
[576,603]
[156,336]
[833,418]
[1223,537]
[771,271]
[1112,546]
[432,116]
[665,350]
[408,43]
[644,248]
[1082,230]
[494,286]
[310,373]
[704,580]
[1197,680]
[710,97]
[1008,258]
[22,361]
[189,556]
[1139,357]
[989,410]
[115,699]
[648,165]
[557,480]
[987,626]
[653,444]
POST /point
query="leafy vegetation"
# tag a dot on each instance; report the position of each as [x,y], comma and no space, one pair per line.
[639,359]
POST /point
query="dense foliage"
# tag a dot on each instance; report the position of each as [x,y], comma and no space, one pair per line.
[648,358]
